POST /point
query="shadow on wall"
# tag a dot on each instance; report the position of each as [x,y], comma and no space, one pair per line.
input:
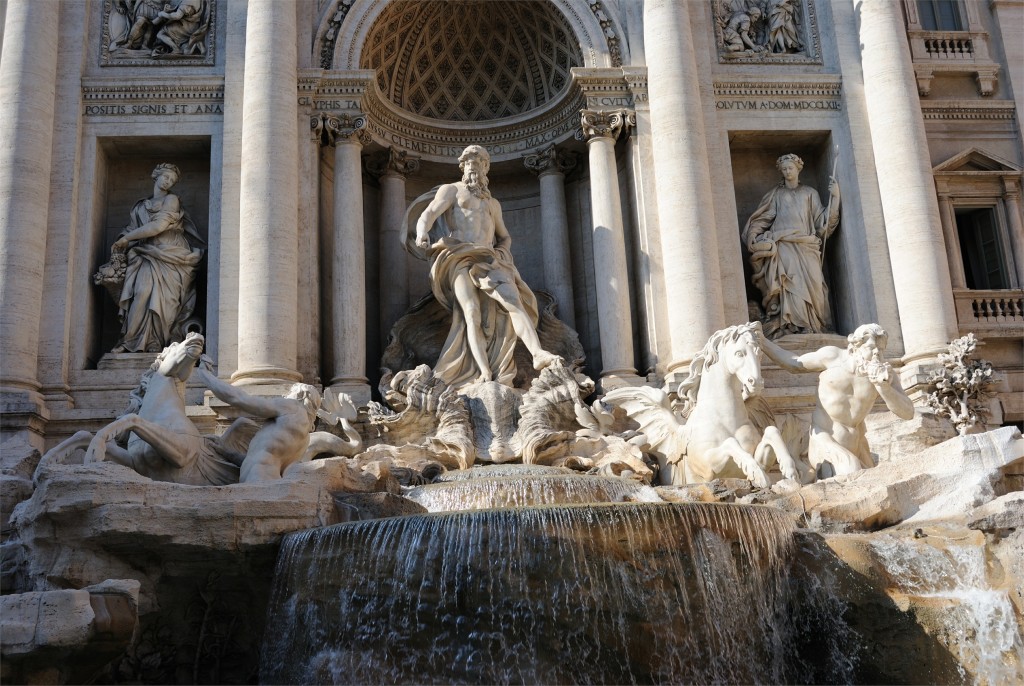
[841,612]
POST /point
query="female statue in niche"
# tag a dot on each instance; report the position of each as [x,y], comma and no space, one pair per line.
[785,237]
[158,292]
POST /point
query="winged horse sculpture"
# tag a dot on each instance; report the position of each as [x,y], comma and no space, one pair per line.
[717,438]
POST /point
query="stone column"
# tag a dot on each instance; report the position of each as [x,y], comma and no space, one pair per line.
[550,166]
[392,167]
[268,202]
[952,239]
[1011,196]
[28,74]
[682,175]
[912,223]
[348,259]
[600,129]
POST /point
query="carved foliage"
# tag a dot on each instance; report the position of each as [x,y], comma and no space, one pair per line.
[605,124]
[961,389]
[330,129]
[393,161]
[551,159]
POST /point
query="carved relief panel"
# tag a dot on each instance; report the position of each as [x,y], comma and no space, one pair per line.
[766,31]
[157,32]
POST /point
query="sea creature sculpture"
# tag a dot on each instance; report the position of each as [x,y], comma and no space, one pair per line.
[717,438]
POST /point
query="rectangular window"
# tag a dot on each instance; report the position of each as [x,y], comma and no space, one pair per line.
[941,15]
[981,248]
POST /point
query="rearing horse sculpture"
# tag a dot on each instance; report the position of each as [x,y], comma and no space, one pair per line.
[717,438]
[164,444]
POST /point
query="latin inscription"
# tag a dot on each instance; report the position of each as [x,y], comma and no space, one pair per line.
[148,109]
[798,105]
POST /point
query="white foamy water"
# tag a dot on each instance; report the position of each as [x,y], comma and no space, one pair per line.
[980,627]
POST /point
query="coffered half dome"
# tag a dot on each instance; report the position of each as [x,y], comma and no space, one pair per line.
[471,60]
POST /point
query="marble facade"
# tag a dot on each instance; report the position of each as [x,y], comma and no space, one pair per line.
[629,147]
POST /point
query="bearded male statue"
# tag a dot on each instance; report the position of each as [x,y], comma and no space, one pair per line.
[472,275]
[850,382]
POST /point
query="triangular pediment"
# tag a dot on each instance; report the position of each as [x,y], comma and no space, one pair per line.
[976,160]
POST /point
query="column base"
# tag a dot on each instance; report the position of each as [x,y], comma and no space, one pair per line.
[619,379]
[265,376]
[357,389]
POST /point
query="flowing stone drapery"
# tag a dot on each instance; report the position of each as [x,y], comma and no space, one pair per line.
[28,74]
[600,129]
[348,292]
[392,167]
[268,216]
[913,226]
[550,165]
[689,245]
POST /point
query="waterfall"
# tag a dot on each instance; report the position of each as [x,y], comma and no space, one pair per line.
[601,593]
[974,621]
[525,491]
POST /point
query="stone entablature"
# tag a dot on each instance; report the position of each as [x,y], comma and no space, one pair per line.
[749,93]
[968,110]
[103,98]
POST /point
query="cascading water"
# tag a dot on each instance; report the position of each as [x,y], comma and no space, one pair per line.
[618,593]
[978,622]
[526,491]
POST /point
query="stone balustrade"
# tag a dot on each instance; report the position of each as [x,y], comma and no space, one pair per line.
[965,52]
[996,313]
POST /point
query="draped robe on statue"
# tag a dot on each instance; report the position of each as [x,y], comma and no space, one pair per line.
[784,236]
[159,292]
[488,267]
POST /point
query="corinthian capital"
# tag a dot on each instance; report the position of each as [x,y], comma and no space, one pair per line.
[393,161]
[604,123]
[331,129]
[550,160]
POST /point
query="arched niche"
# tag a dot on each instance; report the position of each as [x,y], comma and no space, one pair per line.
[501,80]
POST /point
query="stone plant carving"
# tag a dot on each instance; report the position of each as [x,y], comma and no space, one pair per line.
[140,30]
[850,382]
[760,28]
[786,236]
[717,437]
[472,274]
[151,273]
[961,389]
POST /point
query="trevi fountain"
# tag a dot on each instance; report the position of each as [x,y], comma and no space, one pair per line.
[512,341]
